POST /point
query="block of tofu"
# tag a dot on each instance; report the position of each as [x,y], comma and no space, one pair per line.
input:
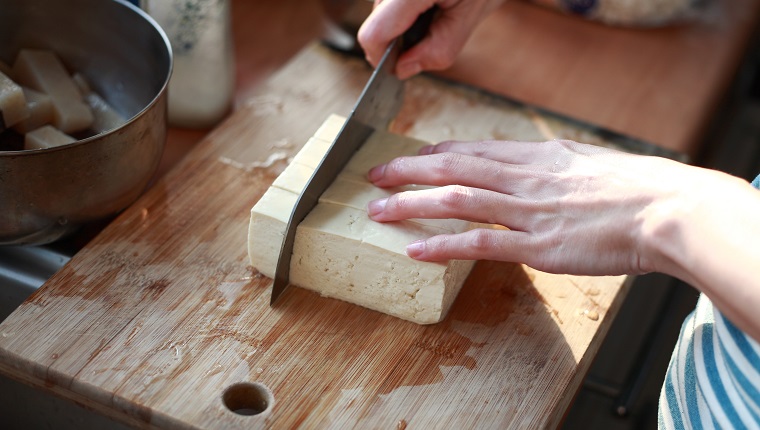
[40,111]
[339,252]
[105,117]
[12,102]
[46,137]
[41,70]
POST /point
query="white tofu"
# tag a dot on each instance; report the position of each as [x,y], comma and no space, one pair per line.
[330,128]
[357,192]
[339,252]
[312,152]
[12,102]
[105,117]
[294,177]
[267,228]
[381,147]
[46,137]
[40,110]
[42,71]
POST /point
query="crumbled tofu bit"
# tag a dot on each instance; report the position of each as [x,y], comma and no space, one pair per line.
[46,137]
[43,71]
[12,101]
[40,111]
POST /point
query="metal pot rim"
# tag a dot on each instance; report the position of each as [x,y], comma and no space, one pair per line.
[87,140]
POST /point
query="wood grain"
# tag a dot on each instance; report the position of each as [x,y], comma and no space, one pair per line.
[161,313]
[660,85]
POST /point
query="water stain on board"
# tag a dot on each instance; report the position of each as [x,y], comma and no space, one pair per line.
[493,292]
[155,288]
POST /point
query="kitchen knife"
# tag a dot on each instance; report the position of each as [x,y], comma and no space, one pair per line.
[376,107]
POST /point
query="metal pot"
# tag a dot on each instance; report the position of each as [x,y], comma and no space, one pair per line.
[126,57]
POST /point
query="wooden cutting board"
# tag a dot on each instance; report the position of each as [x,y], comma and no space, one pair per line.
[161,314]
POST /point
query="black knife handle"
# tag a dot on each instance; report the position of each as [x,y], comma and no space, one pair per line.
[419,29]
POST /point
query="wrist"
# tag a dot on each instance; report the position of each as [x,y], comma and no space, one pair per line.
[702,216]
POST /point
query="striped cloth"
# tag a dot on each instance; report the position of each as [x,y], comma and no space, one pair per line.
[713,380]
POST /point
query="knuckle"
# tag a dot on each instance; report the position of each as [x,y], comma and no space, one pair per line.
[564,145]
[455,196]
[448,163]
[400,202]
[481,241]
[440,56]
[396,167]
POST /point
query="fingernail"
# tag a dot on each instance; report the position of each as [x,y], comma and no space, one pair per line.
[427,150]
[376,173]
[376,206]
[415,249]
[407,70]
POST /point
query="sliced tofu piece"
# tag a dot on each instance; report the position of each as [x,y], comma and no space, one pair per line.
[330,128]
[312,152]
[43,71]
[347,190]
[105,117]
[381,147]
[339,252]
[40,109]
[12,102]
[46,137]
[267,228]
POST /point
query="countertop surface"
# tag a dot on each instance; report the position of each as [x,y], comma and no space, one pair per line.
[160,321]
[159,315]
[659,85]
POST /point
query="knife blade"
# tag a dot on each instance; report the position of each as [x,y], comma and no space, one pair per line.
[378,104]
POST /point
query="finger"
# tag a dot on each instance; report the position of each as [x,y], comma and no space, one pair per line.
[390,19]
[457,169]
[478,244]
[436,51]
[506,151]
[440,47]
[455,201]
[514,152]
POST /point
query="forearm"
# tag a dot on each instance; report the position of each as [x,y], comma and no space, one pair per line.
[713,242]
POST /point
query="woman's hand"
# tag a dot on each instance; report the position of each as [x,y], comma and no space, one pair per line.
[568,207]
[584,210]
[448,32]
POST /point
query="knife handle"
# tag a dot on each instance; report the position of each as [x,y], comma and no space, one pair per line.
[419,29]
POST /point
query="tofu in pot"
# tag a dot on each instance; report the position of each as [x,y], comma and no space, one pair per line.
[46,137]
[12,102]
[43,71]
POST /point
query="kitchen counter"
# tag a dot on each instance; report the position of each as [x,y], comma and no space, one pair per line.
[160,321]
[157,317]
[661,86]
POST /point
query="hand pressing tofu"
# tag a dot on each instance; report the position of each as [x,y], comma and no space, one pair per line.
[339,252]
